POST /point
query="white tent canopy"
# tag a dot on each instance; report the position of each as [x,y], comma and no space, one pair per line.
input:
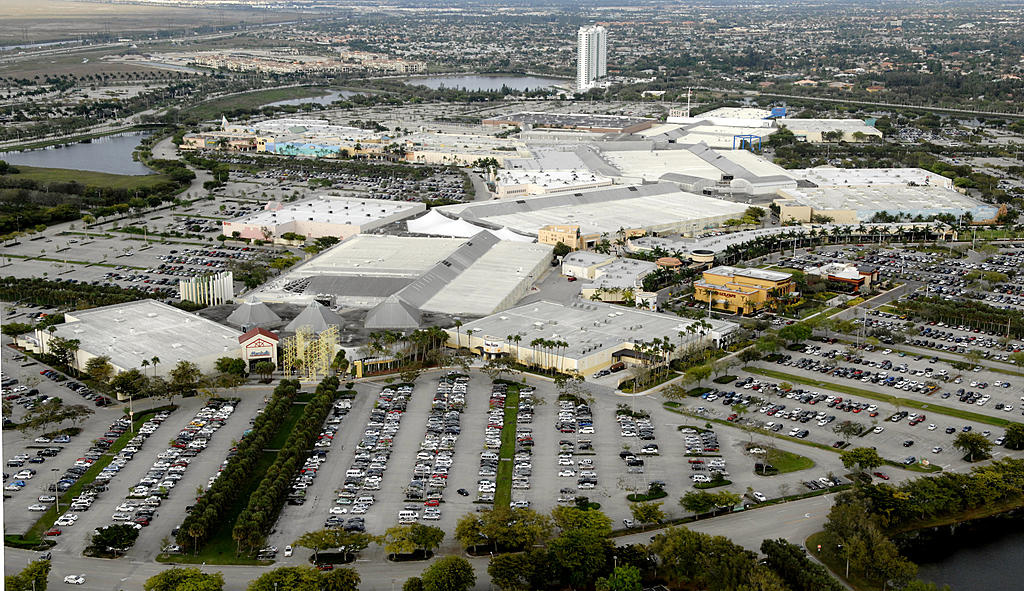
[436,224]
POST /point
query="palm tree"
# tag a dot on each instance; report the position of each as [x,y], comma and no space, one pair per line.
[516,338]
[458,333]
[155,361]
[144,365]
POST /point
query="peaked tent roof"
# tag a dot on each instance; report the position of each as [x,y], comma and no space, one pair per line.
[315,316]
[436,224]
[253,313]
[393,312]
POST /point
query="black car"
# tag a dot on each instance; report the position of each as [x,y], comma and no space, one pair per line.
[463,492]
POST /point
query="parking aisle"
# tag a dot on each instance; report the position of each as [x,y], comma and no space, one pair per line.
[465,467]
[390,499]
[200,470]
[296,520]
[545,482]
[77,537]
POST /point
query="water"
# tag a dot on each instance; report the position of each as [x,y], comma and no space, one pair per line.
[986,556]
[325,100]
[485,82]
[111,154]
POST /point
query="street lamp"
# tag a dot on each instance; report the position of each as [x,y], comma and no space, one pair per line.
[56,493]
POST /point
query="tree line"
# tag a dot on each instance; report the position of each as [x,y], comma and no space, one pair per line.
[217,501]
[258,517]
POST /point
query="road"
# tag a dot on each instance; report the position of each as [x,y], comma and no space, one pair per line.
[793,521]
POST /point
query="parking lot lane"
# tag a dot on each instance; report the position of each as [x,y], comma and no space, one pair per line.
[296,520]
[172,511]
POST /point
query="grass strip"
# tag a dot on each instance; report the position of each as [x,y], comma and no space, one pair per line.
[503,480]
[89,178]
[894,400]
[46,520]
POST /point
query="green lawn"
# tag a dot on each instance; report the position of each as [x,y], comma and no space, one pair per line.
[785,462]
[895,400]
[503,480]
[251,100]
[88,177]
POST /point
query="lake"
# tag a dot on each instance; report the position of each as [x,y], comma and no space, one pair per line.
[111,154]
[985,555]
[326,99]
[488,82]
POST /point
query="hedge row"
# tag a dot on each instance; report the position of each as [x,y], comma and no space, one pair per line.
[258,517]
[218,499]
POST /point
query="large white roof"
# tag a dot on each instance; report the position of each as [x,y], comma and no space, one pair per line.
[136,331]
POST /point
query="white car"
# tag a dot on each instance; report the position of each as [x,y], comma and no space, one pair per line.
[566,473]
[37,507]
[75,579]
[931,426]
[287,551]
[759,497]
[878,429]
[339,510]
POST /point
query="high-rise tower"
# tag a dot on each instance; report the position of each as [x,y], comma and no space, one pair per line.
[592,56]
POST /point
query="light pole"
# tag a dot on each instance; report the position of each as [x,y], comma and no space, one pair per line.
[56,493]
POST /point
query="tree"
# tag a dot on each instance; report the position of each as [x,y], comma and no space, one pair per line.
[450,573]
[230,365]
[573,518]
[698,374]
[561,249]
[292,578]
[848,429]
[327,539]
[340,579]
[184,579]
[511,571]
[113,539]
[795,333]
[398,540]
[99,369]
[265,369]
[184,380]
[864,458]
[727,499]
[623,578]
[413,584]
[975,446]
[649,512]
[31,578]
[698,502]
[53,412]
[130,383]
[580,556]
[749,354]
[426,537]
[1015,436]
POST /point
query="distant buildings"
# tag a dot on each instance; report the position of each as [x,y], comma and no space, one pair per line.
[324,216]
[592,56]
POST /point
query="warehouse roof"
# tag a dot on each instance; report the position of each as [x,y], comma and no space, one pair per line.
[867,200]
[136,331]
[600,210]
[329,210]
[587,326]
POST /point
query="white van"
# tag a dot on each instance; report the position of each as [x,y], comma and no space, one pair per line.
[408,516]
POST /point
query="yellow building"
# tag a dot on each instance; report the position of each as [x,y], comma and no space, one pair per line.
[567,234]
[742,291]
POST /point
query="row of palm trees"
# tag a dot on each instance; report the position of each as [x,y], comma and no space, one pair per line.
[844,234]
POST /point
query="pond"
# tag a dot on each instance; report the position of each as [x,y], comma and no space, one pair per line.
[325,100]
[486,82]
[111,154]
[982,555]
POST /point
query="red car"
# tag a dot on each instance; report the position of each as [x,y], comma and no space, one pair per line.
[54,532]
[325,567]
[432,503]
[881,475]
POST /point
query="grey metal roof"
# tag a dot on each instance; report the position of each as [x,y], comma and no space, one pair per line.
[394,312]
[253,313]
[355,285]
[316,316]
